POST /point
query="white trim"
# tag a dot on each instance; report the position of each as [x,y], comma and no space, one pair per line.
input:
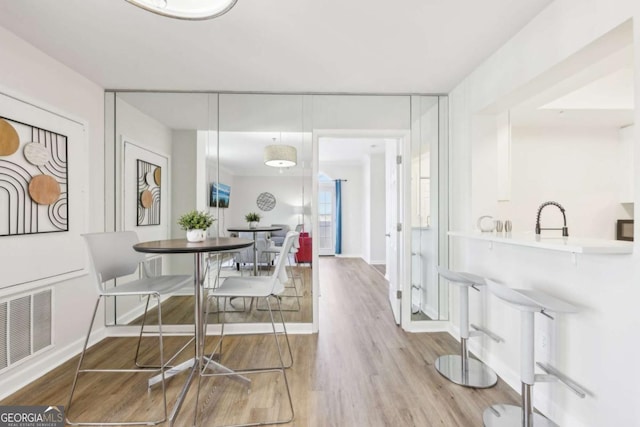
[429,326]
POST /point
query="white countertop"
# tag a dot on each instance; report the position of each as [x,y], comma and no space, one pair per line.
[565,244]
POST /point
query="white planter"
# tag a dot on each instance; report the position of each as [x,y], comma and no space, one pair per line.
[253,224]
[196,235]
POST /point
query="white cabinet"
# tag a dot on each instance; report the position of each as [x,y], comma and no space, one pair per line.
[625,159]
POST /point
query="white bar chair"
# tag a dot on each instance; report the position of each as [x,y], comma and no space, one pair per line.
[528,302]
[112,256]
[460,368]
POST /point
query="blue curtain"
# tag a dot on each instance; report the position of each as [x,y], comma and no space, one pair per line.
[338,216]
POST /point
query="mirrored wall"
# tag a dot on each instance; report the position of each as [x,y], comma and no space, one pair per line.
[209,151]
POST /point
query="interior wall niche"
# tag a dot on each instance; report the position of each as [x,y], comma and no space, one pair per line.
[564,137]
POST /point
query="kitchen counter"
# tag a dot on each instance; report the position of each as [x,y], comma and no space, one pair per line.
[574,245]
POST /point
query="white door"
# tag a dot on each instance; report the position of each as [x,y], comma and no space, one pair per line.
[326,218]
[394,237]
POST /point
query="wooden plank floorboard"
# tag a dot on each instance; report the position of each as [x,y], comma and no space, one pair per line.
[360,370]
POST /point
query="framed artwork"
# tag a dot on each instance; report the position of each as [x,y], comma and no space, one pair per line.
[220,195]
[33,179]
[144,184]
[148,194]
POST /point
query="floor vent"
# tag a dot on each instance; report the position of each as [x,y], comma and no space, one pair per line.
[25,327]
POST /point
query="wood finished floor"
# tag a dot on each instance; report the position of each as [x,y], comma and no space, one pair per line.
[360,370]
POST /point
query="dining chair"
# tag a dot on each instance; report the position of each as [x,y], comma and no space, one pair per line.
[112,257]
[273,252]
[266,287]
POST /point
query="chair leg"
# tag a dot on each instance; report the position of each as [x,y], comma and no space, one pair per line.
[283,367]
[222,321]
[162,365]
[82,354]
[240,372]
[286,335]
[144,321]
[161,372]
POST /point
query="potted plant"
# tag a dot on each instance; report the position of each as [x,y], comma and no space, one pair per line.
[196,224]
[253,219]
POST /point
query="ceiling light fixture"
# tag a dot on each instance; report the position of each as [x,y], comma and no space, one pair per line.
[193,10]
[280,156]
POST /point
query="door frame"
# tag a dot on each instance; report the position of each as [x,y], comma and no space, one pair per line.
[404,269]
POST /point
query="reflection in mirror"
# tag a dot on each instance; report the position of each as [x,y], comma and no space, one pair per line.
[253,129]
[211,149]
[161,131]
[428,297]
[220,169]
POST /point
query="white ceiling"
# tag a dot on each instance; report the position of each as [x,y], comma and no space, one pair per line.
[373,46]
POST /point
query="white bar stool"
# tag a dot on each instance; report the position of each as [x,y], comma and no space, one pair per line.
[459,368]
[528,302]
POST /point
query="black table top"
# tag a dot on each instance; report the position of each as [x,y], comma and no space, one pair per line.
[180,246]
[256,229]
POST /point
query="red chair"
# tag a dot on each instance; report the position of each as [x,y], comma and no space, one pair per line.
[304,252]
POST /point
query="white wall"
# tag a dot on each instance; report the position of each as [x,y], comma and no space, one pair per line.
[376,218]
[589,346]
[245,190]
[31,73]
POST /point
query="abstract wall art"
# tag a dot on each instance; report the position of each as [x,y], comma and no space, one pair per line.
[149,188]
[33,179]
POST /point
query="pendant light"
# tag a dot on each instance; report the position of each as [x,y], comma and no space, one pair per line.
[193,10]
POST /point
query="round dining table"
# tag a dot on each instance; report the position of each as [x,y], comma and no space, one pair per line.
[255,231]
[199,249]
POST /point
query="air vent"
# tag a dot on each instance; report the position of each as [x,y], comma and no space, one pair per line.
[25,327]
[4,359]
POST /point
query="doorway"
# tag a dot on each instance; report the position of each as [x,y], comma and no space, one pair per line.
[367,208]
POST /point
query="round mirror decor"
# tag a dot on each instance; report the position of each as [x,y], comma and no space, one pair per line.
[266,201]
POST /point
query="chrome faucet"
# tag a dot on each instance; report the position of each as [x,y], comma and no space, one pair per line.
[565,230]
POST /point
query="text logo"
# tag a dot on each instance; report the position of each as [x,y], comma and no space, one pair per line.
[31,416]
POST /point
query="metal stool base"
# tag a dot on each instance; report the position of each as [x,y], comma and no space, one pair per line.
[511,416]
[478,375]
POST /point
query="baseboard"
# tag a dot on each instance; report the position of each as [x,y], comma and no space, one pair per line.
[431,312]
[428,326]
[15,379]
[379,262]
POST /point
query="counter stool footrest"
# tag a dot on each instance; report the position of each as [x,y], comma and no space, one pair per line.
[554,374]
[487,332]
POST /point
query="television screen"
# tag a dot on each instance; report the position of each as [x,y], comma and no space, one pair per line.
[219,195]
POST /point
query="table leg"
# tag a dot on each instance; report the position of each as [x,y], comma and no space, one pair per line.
[255,253]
